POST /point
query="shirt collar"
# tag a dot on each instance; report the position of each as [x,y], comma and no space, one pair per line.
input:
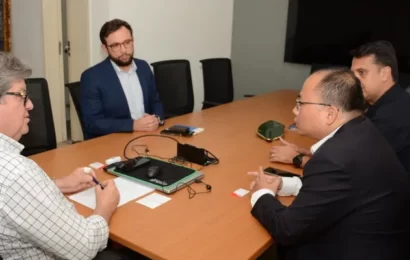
[9,144]
[118,69]
[317,145]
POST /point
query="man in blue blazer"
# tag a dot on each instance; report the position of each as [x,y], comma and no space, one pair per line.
[119,94]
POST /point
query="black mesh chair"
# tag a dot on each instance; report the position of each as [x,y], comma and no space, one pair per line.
[174,86]
[41,136]
[75,93]
[218,81]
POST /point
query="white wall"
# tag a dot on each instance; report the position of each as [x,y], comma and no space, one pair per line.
[27,34]
[177,29]
[258,47]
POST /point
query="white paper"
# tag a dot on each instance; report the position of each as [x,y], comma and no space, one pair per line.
[129,190]
[96,165]
[153,200]
[241,192]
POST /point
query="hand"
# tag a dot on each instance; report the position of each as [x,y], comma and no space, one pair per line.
[283,153]
[76,181]
[265,181]
[107,200]
[147,123]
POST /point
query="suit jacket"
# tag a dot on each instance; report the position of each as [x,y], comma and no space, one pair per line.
[104,106]
[353,204]
[388,115]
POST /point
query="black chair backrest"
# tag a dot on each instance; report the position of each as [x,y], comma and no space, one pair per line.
[218,81]
[174,85]
[75,93]
[404,80]
[41,136]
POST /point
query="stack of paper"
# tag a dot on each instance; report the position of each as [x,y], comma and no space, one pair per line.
[129,190]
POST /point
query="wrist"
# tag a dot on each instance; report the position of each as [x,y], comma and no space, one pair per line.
[106,214]
[298,160]
[135,126]
[60,184]
[160,120]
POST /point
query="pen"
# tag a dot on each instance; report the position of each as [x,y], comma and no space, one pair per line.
[97,182]
[87,170]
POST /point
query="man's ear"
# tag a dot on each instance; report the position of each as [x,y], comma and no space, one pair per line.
[104,48]
[386,73]
[332,115]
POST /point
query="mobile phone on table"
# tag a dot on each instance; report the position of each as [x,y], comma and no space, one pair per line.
[281,173]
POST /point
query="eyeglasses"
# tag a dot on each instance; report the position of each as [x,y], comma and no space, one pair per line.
[23,94]
[117,46]
[299,103]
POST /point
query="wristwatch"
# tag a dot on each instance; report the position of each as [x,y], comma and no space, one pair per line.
[160,120]
[298,160]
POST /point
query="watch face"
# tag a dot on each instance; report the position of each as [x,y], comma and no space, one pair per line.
[297,160]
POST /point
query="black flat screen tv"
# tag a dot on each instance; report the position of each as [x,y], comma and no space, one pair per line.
[324,31]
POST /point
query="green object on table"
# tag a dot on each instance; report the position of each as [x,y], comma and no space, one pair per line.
[271,130]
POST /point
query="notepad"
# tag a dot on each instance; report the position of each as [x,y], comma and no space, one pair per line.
[129,190]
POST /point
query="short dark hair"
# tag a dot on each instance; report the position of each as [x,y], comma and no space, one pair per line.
[384,54]
[341,88]
[112,26]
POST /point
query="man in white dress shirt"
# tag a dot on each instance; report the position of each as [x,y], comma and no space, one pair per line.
[36,220]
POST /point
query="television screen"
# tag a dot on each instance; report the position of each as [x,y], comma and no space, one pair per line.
[324,31]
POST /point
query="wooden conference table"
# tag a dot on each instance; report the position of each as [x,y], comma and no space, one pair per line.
[213,225]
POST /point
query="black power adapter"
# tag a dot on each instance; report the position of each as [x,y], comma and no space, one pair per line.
[194,154]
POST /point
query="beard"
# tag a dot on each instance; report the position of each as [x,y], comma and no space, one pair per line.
[120,62]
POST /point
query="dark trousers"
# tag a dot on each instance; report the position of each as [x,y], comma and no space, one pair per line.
[118,252]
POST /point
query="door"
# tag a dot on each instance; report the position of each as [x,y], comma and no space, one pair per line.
[53,63]
[76,37]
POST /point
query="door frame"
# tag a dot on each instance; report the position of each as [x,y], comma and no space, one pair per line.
[53,64]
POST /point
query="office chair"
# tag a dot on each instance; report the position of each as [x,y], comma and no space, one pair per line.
[404,81]
[174,85]
[41,136]
[218,81]
[75,92]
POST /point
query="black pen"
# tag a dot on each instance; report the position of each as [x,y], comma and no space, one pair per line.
[87,170]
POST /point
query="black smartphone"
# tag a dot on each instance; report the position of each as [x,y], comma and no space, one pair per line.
[171,132]
[281,173]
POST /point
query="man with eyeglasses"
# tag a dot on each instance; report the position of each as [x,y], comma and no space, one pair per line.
[376,67]
[355,194]
[119,94]
[36,219]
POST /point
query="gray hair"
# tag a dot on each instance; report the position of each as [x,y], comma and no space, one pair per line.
[341,88]
[11,69]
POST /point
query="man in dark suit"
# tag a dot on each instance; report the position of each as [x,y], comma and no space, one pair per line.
[375,65]
[119,94]
[355,195]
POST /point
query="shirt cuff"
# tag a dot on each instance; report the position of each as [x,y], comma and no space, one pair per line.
[290,186]
[256,195]
[99,231]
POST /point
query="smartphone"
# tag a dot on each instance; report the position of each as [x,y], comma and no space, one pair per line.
[170,132]
[281,173]
[179,129]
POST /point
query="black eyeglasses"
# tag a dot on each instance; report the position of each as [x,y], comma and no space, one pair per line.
[23,94]
[299,103]
[117,46]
